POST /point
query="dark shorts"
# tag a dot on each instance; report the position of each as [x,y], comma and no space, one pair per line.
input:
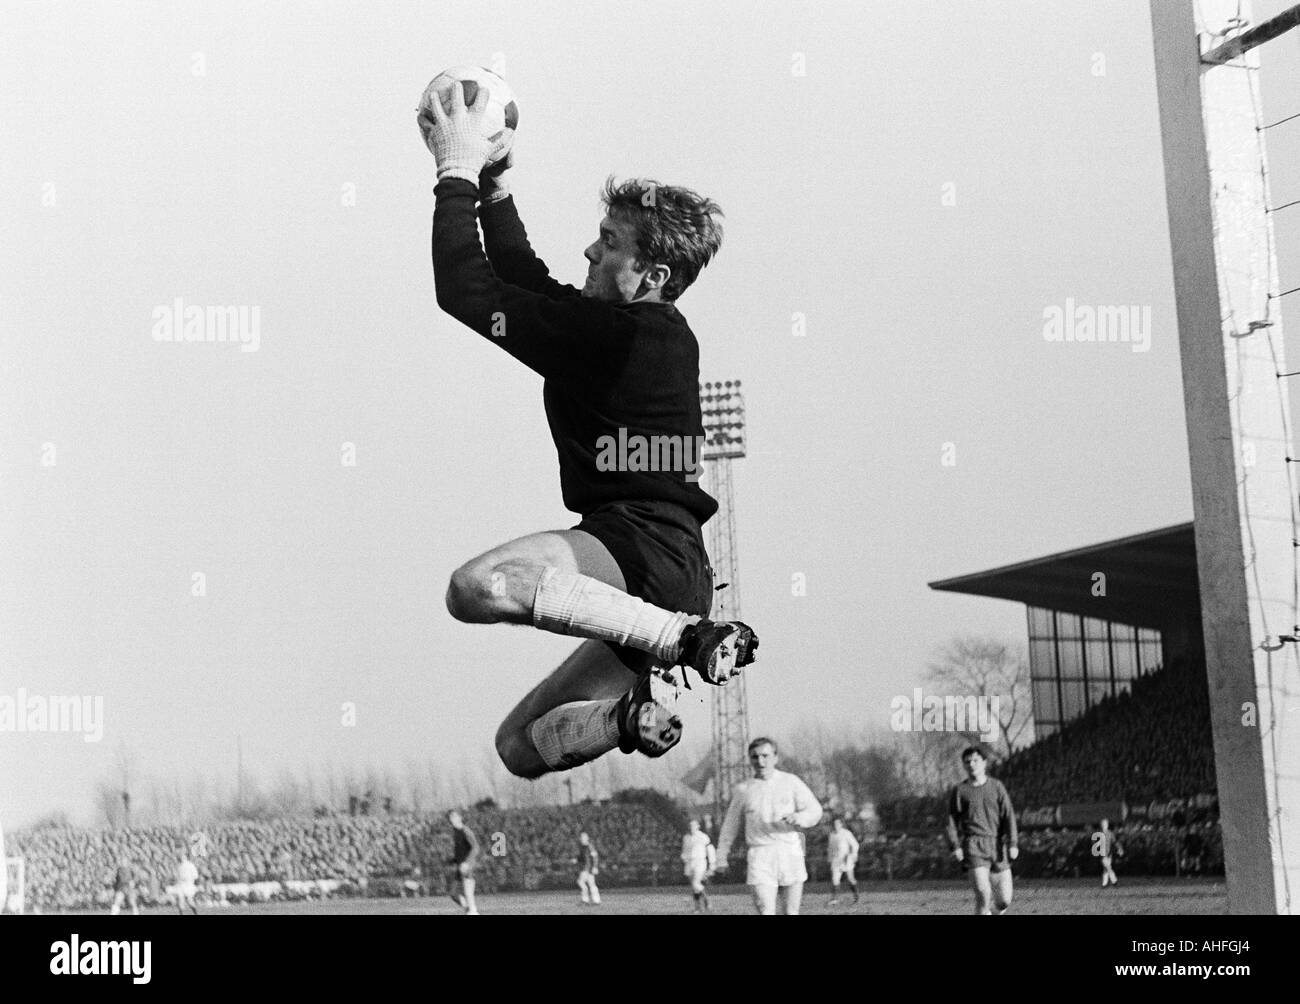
[659,547]
[986,852]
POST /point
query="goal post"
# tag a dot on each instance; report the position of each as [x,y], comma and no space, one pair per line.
[1238,416]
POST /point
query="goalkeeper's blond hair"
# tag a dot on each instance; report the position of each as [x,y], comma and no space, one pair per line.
[674,226]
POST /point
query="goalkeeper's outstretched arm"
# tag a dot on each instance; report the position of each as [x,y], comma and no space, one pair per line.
[568,338]
[504,239]
[510,254]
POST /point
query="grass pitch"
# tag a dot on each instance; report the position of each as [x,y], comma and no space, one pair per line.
[1135,896]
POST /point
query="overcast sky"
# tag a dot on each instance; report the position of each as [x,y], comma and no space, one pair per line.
[940,175]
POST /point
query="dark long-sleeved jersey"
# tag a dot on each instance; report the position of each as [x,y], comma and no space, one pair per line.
[125,877]
[982,810]
[621,380]
[464,846]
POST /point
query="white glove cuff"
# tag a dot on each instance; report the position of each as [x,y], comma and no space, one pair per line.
[457,172]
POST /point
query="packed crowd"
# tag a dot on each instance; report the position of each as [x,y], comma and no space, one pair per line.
[526,849]
[1150,744]
[376,855]
[1150,748]
[929,815]
[1149,849]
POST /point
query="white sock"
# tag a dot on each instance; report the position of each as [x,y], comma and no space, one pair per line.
[575,733]
[588,608]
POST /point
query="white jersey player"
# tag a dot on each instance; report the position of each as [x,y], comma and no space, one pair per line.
[774,807]
[187,878]
[842,853]
[699,858]
[588,862]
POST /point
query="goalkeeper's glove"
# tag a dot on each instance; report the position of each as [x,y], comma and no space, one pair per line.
[493,185]
[456,138]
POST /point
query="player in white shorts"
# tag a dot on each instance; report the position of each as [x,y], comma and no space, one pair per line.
[187,878]
[774,807]
[588,862]
[842,853]
[699,859]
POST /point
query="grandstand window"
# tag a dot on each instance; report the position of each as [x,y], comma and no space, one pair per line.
[1098,655]
[1042,658]
[1125,656]
[1072,699]
[1068,625]
[1070,654]
[1045,706]
[1075,662]
[1149,656]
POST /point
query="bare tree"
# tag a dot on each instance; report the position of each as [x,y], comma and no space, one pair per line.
[200,804]
[373,786]
[971,665]
[928,762]
[862,773]
[391,793]
[165,806]
[436,776]
[309,788]
[176,796]
[414,786]
[108,801]
[488,774]
[125,763]
[287,798]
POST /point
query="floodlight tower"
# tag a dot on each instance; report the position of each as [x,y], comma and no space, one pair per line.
[724,431]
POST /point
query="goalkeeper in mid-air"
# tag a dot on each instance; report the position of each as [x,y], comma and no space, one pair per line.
[618,362]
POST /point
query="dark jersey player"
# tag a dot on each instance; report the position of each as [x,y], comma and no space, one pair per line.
[464,858]
[620,366]
[982,833]
[126,888]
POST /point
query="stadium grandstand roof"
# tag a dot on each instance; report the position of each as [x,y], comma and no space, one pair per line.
[1150,578]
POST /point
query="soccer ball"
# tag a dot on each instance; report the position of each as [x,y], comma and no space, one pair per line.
[502,112]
